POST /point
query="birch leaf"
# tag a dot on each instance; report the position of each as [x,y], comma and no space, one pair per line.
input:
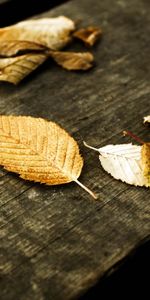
[73,60]
[126,162]
[14,69]
[13,48]
[88,35]
[39,150]
[53,33]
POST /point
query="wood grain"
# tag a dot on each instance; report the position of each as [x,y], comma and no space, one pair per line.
[55,241]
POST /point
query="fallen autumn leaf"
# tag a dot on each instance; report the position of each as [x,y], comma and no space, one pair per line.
[40,151]
[127,162]
[26,45]
[88,35]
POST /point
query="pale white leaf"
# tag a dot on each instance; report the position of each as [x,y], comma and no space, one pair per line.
[147,119]
[123,162]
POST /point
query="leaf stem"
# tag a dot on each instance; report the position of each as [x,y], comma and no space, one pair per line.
[90,147]
[135,137]
[86,189]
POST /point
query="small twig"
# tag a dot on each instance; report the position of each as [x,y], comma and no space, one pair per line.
[133,136]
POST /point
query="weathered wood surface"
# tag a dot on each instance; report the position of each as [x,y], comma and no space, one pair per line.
[56,242]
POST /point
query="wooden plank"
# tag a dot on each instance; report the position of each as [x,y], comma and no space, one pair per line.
[56,241]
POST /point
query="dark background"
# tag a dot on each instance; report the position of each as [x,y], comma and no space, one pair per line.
[12,11]
[131,278]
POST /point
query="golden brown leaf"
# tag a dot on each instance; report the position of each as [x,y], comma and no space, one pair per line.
[73,60]
[88,35]
[146,161]
[39,150]
[53,33]
[13,48]
[14,69]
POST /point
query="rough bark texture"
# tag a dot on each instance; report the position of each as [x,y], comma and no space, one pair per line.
[56,242]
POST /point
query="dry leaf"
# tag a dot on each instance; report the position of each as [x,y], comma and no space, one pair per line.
[88,35]
[25,45]
[13,48]
[39,150]
[125,162]
[147,120]
[53,33]
[73,60]
[14,69]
